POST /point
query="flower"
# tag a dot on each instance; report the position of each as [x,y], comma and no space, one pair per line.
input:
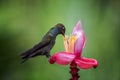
[74,45]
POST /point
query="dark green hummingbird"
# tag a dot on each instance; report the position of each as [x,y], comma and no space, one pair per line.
[46,44]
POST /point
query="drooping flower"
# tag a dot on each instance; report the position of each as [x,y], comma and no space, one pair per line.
[74,45]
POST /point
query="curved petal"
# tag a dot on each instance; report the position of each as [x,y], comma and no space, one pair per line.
[62,58]
[77,28]
[79,45]
[86,63]
[80,42]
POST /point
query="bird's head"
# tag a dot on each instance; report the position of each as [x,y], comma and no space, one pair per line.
[61,28]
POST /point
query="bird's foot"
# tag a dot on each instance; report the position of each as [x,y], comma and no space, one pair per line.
[48,55]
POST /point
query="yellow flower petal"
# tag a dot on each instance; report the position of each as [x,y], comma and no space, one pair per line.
[69,43]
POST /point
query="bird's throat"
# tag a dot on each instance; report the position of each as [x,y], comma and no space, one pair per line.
[55,32]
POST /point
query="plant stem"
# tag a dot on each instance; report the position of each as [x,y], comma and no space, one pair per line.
[74,71]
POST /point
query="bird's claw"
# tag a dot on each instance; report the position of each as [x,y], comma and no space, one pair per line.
[48,55]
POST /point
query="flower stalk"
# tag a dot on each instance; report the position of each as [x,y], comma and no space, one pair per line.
[74,71]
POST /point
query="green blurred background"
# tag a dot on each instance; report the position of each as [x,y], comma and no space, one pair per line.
[24,22]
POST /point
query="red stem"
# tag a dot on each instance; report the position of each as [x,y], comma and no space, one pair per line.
[74,71]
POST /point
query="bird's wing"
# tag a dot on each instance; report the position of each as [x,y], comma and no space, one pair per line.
[42,44]
[38,46]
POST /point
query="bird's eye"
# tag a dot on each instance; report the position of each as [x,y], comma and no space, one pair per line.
[63,28]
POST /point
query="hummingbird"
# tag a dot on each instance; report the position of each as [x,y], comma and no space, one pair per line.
[46,44]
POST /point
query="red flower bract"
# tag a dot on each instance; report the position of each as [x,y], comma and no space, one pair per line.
[74,45]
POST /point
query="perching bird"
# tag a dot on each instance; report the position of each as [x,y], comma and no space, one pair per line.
[46,44]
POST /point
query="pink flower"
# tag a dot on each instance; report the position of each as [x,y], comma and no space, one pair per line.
[74,45]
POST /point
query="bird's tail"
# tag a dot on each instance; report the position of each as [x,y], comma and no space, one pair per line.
[24,60]
[25,55]
[29,54]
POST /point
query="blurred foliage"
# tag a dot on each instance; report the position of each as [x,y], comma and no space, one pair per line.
[24,22]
